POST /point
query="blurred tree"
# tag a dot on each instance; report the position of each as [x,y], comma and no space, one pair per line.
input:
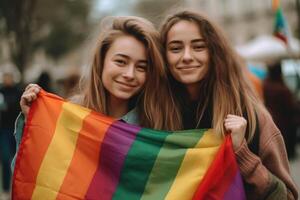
[55,25]
[17,16]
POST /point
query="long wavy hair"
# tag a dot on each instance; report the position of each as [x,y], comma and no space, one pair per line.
[226,86]
[154,103]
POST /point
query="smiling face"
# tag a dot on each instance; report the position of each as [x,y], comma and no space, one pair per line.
[187,53]
[125,66]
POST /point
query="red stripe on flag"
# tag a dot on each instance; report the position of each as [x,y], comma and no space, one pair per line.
[220,175]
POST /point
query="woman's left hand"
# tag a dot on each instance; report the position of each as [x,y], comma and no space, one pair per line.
[237,126]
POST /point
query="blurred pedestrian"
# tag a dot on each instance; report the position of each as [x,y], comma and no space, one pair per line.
[9,109]
[282,105]
[70,84]
[45,81]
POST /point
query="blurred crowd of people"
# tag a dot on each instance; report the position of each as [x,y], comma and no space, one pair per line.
[283,106]
[10,93]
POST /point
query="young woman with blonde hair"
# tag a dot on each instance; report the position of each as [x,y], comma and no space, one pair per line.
[211,89]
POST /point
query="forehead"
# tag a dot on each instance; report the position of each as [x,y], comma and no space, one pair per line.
[184,30]
[128,45]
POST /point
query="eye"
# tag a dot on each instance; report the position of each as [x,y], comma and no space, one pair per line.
[199,47]
[120,62]
[141,68]
[175,48]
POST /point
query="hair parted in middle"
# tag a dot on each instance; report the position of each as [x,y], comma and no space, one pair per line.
[154,103]
[226,84]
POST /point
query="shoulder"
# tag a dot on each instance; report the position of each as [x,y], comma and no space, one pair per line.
[132,117]
[272,150]
[265,121]
[268,131]
[76,99]
[270,137]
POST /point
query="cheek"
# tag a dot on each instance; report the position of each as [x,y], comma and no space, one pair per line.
[142,79]
[205,56]
[172,59]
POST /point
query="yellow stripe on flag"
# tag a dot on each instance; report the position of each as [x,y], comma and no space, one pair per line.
[194,166]
[60,152]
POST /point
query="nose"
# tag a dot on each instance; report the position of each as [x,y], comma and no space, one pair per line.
[187,56]
[129,72]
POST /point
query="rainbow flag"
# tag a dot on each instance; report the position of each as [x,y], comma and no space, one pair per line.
[280,24]
[70,152]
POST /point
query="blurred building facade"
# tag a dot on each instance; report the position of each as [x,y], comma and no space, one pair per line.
[244,20]
[241,21]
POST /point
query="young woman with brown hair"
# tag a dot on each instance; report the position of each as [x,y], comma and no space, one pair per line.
[126,80]
[210,86]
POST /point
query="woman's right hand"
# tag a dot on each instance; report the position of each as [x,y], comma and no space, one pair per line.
[28,96]
[237,125]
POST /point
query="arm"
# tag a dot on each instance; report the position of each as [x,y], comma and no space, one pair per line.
[29,95]
[19,126]
[18,133]
[268,175]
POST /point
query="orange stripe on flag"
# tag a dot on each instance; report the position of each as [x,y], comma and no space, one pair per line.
[86,157]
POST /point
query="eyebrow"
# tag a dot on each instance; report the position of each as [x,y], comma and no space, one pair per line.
[128,57]
[122,55]
[179,41]
[198,40]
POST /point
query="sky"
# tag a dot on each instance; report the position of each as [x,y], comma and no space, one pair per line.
[112,7]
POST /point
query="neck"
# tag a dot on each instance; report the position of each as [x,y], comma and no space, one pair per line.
[117,108]
[193,91]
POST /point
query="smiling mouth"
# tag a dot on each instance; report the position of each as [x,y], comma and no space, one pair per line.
[187,67]
[126,84]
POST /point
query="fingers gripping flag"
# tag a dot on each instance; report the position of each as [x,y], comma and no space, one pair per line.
[70,152]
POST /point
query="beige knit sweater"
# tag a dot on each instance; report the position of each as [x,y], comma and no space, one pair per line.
[268,174]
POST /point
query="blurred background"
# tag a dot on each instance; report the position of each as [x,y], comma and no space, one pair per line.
[48,42]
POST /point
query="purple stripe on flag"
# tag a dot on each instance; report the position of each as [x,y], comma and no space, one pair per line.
[236,189]
[117,142]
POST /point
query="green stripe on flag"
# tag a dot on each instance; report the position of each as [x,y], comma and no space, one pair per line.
[162,153]
[134,174]
[168,163]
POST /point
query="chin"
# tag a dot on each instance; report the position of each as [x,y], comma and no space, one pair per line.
[188,81]
[124,95]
